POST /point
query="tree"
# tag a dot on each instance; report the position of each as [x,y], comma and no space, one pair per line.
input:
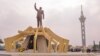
[99,45]
[1,41]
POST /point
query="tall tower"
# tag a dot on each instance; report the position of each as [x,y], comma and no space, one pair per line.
[82,21]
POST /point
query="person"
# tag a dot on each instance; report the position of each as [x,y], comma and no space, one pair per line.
[40,15]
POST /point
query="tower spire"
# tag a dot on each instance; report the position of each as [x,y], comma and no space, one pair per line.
[82,17]
[81,10]
[82,21]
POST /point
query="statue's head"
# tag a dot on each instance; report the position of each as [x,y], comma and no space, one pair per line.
[40,8]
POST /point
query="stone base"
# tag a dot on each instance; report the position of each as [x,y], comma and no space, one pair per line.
[41,44]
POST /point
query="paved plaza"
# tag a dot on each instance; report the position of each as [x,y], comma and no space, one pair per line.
[3,53]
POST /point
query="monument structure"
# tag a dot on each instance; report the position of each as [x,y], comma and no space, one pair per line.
[39,40]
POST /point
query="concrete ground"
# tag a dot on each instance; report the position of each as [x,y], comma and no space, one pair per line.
[3,53]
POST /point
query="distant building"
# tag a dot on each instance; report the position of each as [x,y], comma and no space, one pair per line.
[96,48]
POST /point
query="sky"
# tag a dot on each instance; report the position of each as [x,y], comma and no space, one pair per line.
[61,16]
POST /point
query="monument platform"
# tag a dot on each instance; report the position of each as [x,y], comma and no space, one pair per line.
[41,40]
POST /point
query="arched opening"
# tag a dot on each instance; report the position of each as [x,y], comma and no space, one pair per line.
[30,42]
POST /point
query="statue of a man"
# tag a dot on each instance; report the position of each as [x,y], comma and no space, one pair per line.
[40,15]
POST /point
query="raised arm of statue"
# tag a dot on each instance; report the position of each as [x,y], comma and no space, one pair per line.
[35,7]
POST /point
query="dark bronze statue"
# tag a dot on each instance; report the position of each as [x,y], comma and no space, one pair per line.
[40,15]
